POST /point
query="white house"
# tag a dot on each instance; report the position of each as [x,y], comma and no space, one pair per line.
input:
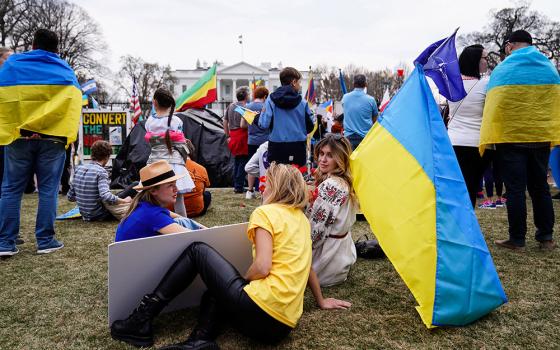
[229,78]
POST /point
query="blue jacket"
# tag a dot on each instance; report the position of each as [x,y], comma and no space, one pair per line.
[288,114]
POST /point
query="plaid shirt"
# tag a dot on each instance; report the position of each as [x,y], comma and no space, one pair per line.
[90,188]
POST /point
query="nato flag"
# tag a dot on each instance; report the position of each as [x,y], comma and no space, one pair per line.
[440,63]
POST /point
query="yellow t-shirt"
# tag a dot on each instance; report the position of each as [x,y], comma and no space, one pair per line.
[280,294]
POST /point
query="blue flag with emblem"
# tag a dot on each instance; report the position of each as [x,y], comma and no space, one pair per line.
[440,63]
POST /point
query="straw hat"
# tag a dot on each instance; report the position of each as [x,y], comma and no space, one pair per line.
[157,173]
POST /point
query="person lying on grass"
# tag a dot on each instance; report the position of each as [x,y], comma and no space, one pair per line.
[147,215]
[332,211]
[267,302]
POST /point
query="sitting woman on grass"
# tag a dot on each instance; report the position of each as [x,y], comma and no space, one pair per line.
[332,211]
[147,215]
[267,302]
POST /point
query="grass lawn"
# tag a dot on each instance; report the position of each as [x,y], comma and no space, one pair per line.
[59,300]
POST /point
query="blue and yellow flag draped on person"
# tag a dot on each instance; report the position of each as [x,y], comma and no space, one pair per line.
[522,101]
[412,192]
[39,92]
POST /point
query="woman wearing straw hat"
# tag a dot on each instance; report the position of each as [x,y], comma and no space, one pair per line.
[147,215]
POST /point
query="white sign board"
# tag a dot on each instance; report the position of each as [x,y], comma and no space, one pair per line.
[137,266]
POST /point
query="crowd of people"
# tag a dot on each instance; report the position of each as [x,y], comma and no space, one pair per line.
[301,234]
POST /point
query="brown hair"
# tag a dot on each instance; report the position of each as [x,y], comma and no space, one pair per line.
[190,147]
[260,92]
[144,195]
[166,100]
[286,185]
[101,150]
[341,151]
[288,75]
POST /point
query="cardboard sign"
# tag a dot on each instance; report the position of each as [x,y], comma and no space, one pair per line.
[108,125]
[137,266]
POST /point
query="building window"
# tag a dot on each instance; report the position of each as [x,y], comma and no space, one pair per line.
[184,87]
[172,88]
[228,89]
[274,88]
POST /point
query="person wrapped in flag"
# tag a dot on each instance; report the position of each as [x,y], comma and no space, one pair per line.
[40,105]
[413,194]
[522,118]
[164,133]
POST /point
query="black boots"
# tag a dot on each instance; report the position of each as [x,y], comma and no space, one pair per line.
[137,328]
[196,341]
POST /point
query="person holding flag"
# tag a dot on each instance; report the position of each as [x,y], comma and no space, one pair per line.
[237,135]
[257,135]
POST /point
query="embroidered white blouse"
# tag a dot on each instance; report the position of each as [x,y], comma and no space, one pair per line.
[332,215]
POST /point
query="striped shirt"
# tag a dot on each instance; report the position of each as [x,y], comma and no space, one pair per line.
[90,188]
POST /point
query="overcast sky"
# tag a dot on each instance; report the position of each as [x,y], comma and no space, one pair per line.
[374,34]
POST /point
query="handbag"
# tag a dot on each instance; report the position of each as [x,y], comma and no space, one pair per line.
[369,248]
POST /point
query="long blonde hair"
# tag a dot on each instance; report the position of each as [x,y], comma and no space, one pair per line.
[144,195]
[341,151]
[286,186]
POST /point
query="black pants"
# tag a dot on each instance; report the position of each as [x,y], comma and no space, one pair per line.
[225,299]
[525,167]
[207,198]
[493,177]
[287,152]
[472,166]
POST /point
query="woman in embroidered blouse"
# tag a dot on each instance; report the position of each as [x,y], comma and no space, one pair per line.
[332,211]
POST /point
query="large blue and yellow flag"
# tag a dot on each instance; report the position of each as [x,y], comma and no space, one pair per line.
[522,101]
[39,92]
[412,192]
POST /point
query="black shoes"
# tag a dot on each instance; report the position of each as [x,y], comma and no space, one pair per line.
[193,344]
[137,328]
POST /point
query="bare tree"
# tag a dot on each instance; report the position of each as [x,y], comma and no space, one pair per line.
[81,43]
[11,12]
[148,76]
[545,32]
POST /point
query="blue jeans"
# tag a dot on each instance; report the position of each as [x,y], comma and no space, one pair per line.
[525,168]
[22,158]
[239,172]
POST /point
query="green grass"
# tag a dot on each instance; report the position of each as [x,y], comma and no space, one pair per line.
[59,300]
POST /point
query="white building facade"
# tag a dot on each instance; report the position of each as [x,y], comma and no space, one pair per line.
[229,78]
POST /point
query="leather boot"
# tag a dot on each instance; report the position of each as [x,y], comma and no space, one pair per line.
[137,328]
[196,341]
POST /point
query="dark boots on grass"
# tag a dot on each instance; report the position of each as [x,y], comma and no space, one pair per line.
[137,328]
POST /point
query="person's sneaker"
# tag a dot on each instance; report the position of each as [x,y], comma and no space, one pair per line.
[19,241]
[506,243]
[52,247]
[487,205]
[499,203]
[480,195]
[556,197]
[237,190]
[547,245]
[11,252]
[249,195]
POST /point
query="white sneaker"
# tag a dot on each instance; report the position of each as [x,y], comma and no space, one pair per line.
[249,195]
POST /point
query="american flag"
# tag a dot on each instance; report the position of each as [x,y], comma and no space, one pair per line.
[135,104]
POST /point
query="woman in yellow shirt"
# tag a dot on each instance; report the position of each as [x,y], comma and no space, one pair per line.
[267,302]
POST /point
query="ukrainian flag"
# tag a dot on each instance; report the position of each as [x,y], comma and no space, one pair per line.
[39,92]
[522,101]
[412,192]
[247,114]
